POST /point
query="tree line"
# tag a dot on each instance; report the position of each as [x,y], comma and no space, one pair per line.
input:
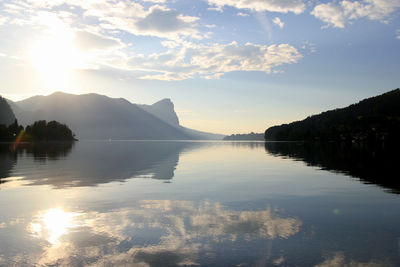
[38,131]
[242,137]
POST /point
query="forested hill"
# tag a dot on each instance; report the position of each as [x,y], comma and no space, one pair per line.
[372,119]
[243,137]
[6,114]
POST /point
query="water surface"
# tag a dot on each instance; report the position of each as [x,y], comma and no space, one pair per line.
[162,203]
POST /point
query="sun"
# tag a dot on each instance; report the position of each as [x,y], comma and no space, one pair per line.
[54,57]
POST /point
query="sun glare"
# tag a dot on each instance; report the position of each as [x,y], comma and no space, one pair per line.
[54,55]
[52,224]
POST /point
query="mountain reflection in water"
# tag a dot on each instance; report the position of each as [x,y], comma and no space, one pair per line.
[371,164]
[90,163]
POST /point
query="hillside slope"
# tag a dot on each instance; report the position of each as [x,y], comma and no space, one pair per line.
[375,118]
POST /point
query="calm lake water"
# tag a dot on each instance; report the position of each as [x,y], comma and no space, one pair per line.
[132,203]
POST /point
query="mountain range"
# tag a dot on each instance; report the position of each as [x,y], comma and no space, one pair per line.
[94,116]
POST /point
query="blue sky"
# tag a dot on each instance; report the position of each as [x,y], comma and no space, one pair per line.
[229,66]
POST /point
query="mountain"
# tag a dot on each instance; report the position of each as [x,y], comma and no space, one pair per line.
[245,137]
[372,119]
[164,109]
[201,135]
[7,116]
[93,116]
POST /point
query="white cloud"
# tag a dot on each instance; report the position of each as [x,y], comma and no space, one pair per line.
[281,6]
[158,21]
[128,16]
[337,15]
[277,21]
[241,14]
[331,14]
[214,60]
[398,34]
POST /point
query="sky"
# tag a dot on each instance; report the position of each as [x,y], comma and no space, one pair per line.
[229,66]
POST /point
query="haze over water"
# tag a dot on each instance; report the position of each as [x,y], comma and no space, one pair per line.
[166,203]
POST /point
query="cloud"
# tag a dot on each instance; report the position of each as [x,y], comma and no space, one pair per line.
[128,16]
[398,34]
[277,21]
[99,31]
[214,60]
[331,14]
[285,6]
[132,17]
[161,21]
[88,41]
[248,57]
[155,1]
[337,15]
[309,47]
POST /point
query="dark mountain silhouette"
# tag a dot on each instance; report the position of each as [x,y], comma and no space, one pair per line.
[373,119]
[9,128]
[7,116]
[376,164]
[94,116]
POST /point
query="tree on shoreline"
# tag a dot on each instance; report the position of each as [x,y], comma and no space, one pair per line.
[39,131]
[49,131]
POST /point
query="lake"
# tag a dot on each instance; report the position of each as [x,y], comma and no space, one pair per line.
[171,203]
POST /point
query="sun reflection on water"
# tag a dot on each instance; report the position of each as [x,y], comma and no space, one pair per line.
[51,224]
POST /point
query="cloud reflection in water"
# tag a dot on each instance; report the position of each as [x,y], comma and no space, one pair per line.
[154,233]
[52,224]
